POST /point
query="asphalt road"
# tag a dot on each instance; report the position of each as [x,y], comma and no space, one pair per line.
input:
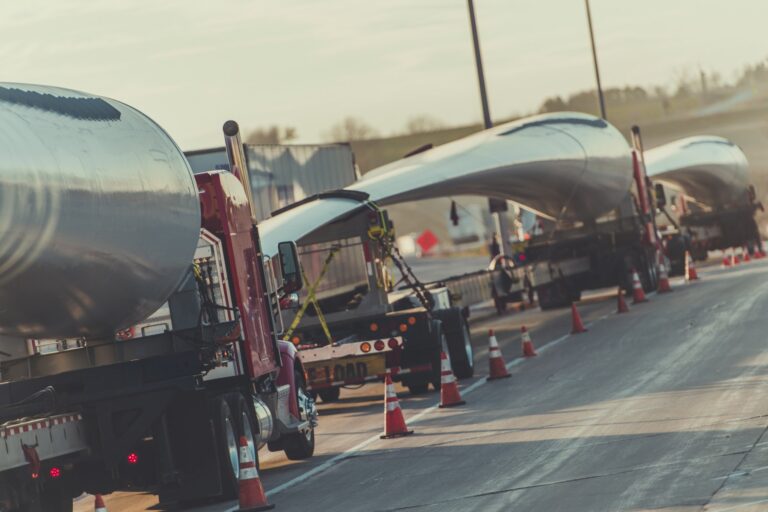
[663,408]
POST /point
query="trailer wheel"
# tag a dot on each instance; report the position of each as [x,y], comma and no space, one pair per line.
[418,387]
[459,342]
[330,395]
[225,430]
[55,498]
[556,295]
[300,446]
[442,342]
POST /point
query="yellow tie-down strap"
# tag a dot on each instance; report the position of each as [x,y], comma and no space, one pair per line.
[312,299]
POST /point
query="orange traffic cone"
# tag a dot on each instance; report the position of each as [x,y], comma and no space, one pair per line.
[690,268]
[394,422]
[252,497]
[664,286]
[497,368]
[638,295]
[98,504]
[726,260]
[735,260]
[528,349]
[449,390]
[746,257]
[578,325]
[621,304]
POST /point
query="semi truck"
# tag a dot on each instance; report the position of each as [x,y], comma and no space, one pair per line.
[702,189]
[353,324]
[103,223]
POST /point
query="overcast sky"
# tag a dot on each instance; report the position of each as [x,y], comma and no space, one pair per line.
[192,64]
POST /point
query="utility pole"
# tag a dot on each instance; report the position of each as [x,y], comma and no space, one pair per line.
[498,207]
[594,59]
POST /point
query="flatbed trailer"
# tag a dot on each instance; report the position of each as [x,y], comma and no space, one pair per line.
[568,258]
[403,332]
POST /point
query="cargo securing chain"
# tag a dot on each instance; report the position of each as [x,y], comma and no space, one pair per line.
[381,234]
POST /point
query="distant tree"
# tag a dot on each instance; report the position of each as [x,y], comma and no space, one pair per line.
[422,124]
[271,135]
[350,128]
[554,104]
[685,83]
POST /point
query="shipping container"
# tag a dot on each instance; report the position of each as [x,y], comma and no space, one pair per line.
[284,174]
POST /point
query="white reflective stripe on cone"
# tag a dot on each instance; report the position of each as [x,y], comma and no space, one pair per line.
[245,455]
[248,474]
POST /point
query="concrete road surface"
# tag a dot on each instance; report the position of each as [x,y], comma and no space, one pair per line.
[663,408]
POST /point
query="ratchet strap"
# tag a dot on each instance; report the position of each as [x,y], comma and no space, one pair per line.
[312,299]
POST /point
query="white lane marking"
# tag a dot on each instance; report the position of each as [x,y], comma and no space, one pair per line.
[352,451]
[741,473]
[742,505]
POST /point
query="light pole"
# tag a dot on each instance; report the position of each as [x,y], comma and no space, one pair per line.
[498,207]
[594,59]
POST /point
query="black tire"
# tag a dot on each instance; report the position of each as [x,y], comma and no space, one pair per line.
[248,427]
[440,339]
[55,498]
[329,395]
[300,446]
[648,273]
[459,342]
[553,295]
[226,432]
[418,387]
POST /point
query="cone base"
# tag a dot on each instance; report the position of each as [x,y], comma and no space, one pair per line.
[579,331]
[397,434]
[530,355]
[639,301]
[500,377]
[452,404]
[256,509]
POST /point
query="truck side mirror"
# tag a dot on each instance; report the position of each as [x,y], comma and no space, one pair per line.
[661,196]
[289,266]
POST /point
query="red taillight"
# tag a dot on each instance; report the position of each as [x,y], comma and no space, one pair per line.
[379,345]
[365,347]
[374,327]
[403,327]
[411,320]
[392,343]
[54,472]
[132,458]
